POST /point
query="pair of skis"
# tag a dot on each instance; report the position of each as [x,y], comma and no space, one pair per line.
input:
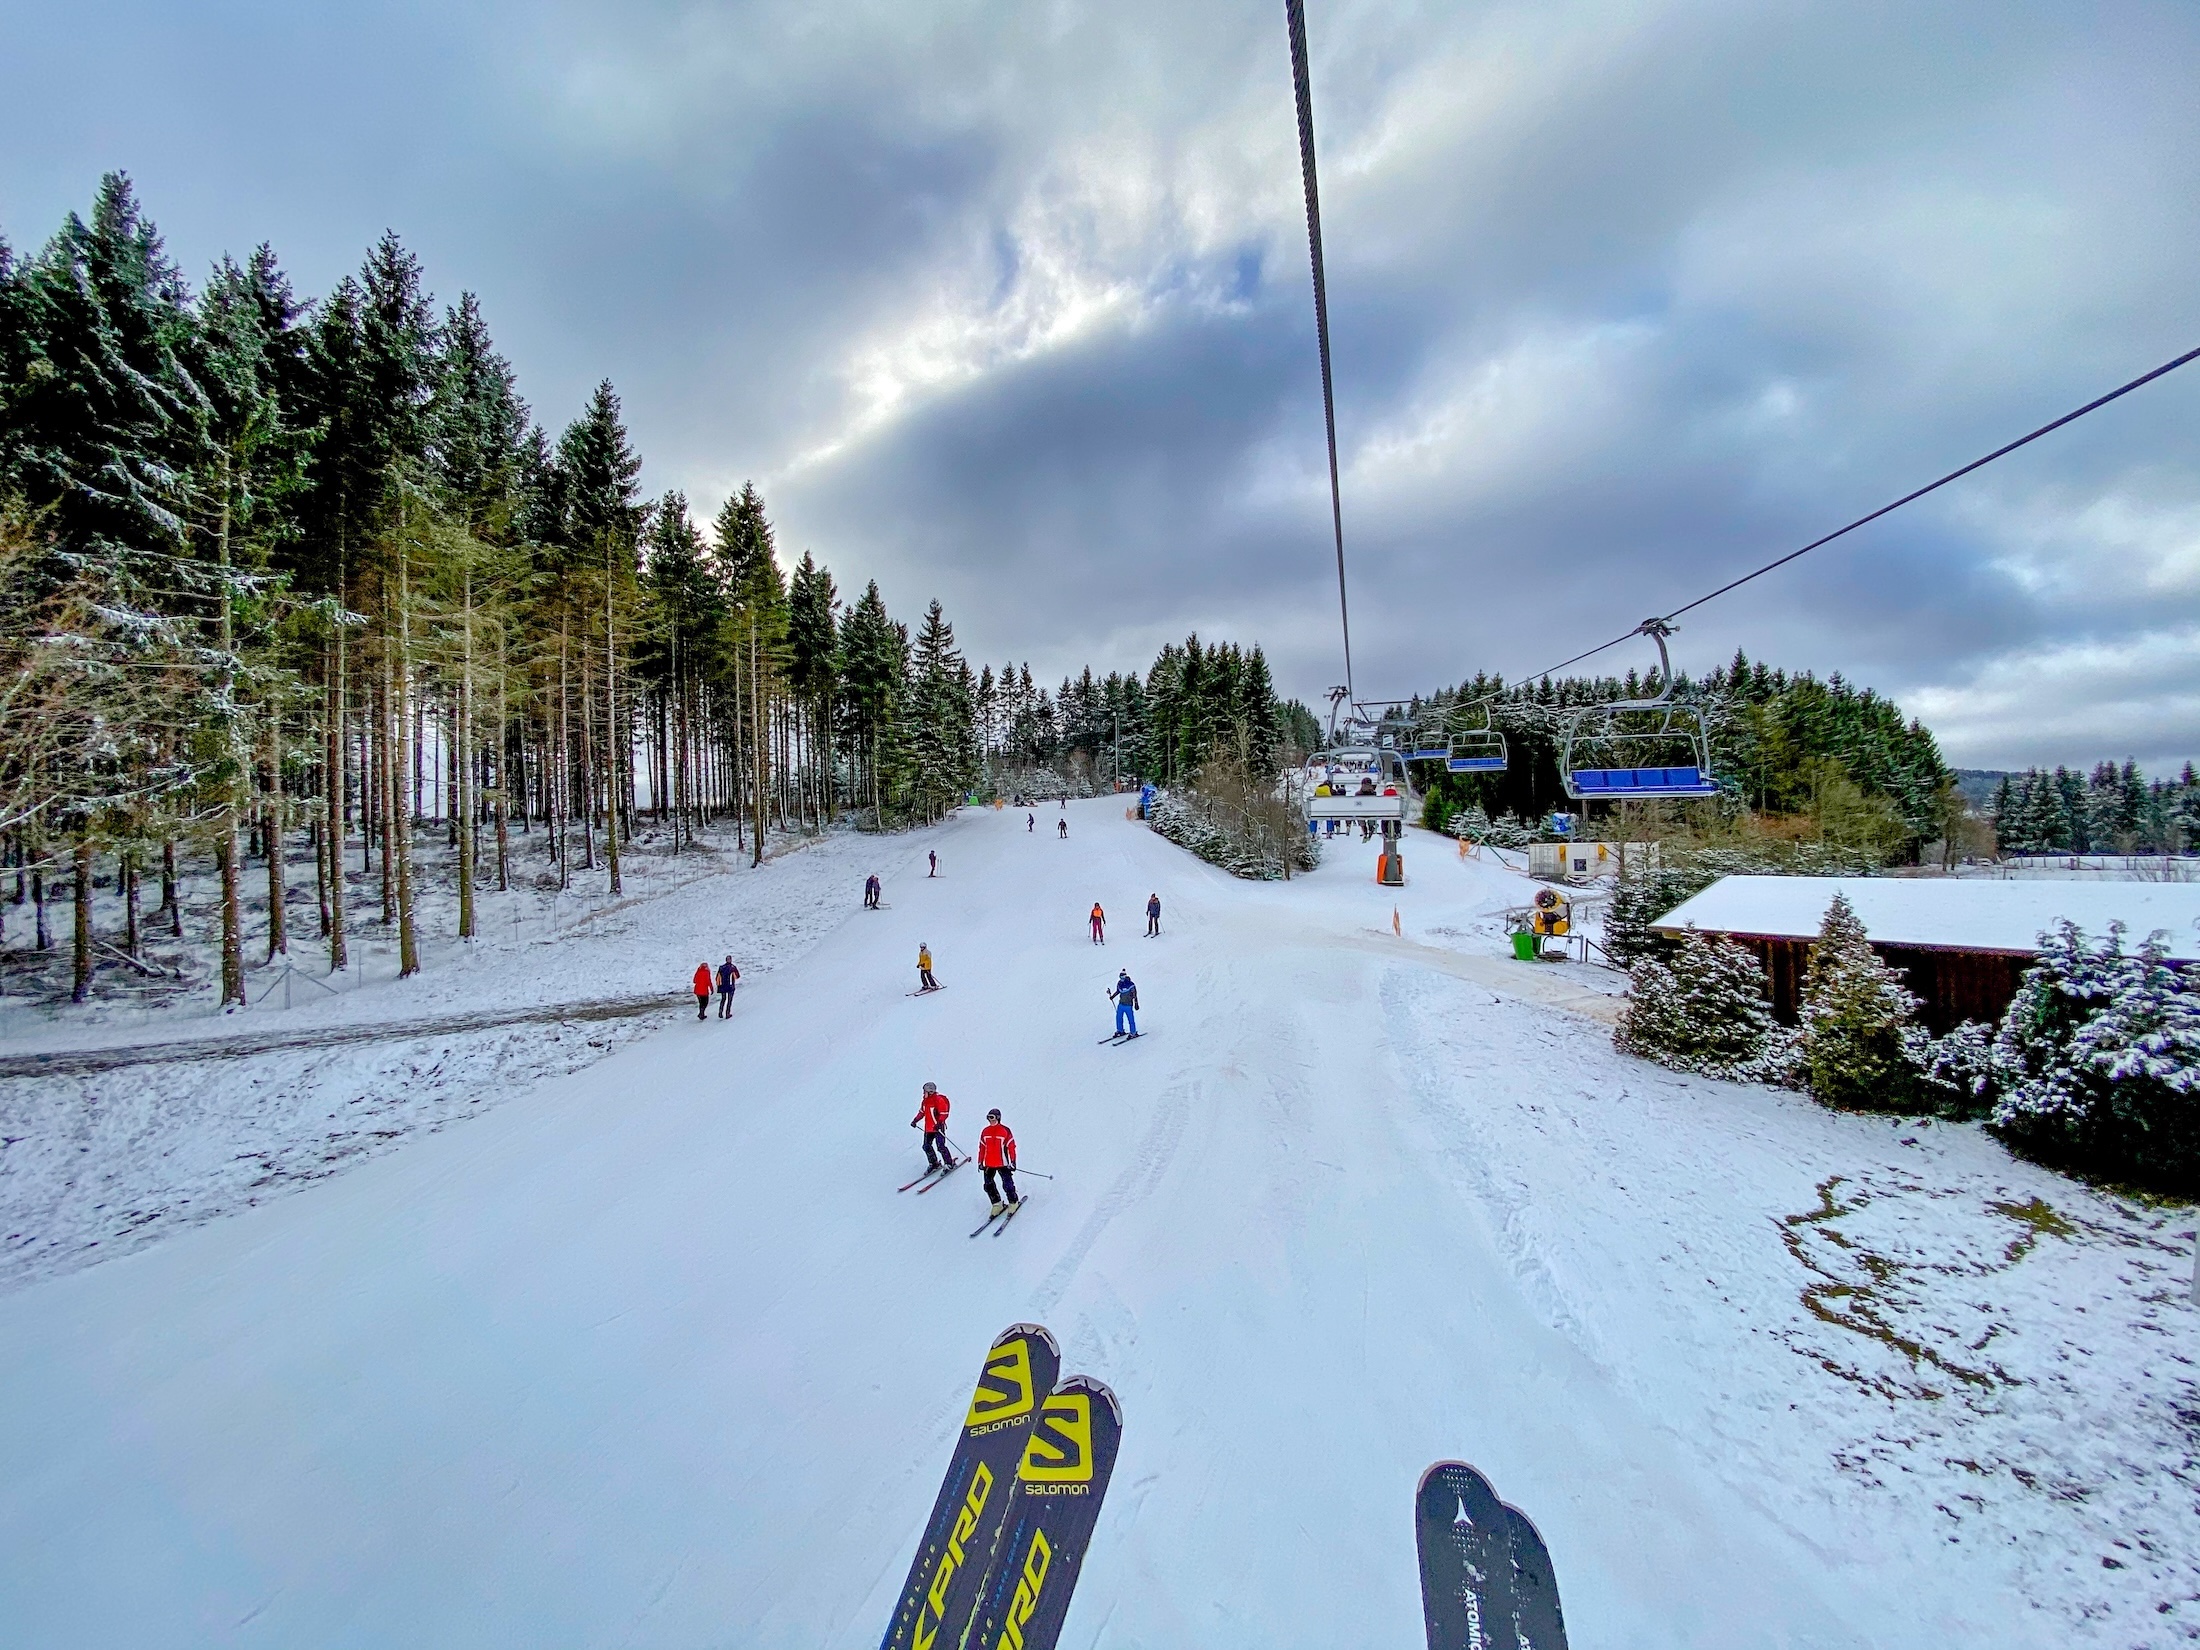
[932,1177]
[924,991]
[1120,1038]
[1001,1553]
[1486,1577]
[997,1222]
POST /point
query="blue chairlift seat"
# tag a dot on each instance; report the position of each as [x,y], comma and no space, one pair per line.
[1624,784]
[1476,750]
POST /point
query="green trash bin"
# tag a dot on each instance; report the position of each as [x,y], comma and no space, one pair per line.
[1526,945]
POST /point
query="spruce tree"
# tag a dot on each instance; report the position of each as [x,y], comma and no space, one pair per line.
[1704,1009]
[939,717]
[1855,1014]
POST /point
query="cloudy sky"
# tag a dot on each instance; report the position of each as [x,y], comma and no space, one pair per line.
[1008,304]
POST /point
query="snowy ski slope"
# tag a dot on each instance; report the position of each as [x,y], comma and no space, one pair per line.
[657,1356]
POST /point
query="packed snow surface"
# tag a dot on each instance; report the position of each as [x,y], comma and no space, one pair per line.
[655,1354]
[1962,913]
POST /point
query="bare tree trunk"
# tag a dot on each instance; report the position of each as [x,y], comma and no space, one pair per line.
[317,831]
[271,831]
[611,791]
[225,855]
[80,987]
[408,950]
[386,798]
[504,781]
[226,826]
[40,931]
[761,764]
[558,791]
[585,798]
[462,765]
[168,896]
[133,935]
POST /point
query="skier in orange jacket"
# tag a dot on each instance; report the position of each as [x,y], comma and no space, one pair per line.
[932,1118]
[997,1157]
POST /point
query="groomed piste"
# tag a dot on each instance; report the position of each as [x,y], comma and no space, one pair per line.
[655,1353]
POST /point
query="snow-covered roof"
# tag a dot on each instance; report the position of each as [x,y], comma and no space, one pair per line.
[1945,913]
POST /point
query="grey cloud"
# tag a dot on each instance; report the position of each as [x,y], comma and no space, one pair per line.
[1008,304]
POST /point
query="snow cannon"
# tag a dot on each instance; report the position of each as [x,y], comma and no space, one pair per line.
[1553,913]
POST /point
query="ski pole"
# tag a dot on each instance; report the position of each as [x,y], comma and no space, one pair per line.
[1015,1169]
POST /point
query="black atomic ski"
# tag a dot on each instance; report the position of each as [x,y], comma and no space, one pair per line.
[1486,1579]
[1535,1586]
[941,1594]
[1059,1488]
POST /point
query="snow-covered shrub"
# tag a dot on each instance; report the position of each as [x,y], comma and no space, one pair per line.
[1704,1009]
[1856,1013]
[1471,824]
[1958,1076]
[2099,1058]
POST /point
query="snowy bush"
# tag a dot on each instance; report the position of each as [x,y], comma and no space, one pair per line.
[2099,1062]
[1860,1051]
[1957,1074]
[1704,1009]
[1507,831]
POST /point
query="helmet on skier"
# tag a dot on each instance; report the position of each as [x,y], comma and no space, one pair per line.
[993,1116]
[931,1088]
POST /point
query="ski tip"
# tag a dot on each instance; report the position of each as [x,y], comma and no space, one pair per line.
[1098,1389]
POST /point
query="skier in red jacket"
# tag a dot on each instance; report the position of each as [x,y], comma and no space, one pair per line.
[702,991]
[932,1118]
[997,1156]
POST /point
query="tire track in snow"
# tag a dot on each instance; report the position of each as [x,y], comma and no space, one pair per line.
[1139,1177]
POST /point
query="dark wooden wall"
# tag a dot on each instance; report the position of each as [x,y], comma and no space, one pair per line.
[1955,985]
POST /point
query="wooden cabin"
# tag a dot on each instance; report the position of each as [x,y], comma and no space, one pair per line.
[1962,942]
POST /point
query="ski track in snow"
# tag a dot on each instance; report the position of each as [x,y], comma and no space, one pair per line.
[654,1354]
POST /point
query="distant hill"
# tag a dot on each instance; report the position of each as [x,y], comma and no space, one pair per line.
[1978,785]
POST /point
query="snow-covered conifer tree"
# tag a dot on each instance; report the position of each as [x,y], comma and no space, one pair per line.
[2100,1055]
[1704,1009]
[1855,1013]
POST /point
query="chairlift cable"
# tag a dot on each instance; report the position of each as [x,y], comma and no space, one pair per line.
[1294,12]
[1953,475]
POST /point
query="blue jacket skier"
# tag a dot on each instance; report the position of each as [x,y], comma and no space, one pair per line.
[1125,998]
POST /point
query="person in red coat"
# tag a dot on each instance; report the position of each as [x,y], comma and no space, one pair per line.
[932,1118]
[997,1157]
[702,991]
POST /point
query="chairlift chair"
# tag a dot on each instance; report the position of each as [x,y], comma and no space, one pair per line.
[1430,743]
[1660,720]
[1472,748]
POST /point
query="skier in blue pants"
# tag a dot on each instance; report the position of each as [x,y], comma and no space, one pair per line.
[1125,998]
